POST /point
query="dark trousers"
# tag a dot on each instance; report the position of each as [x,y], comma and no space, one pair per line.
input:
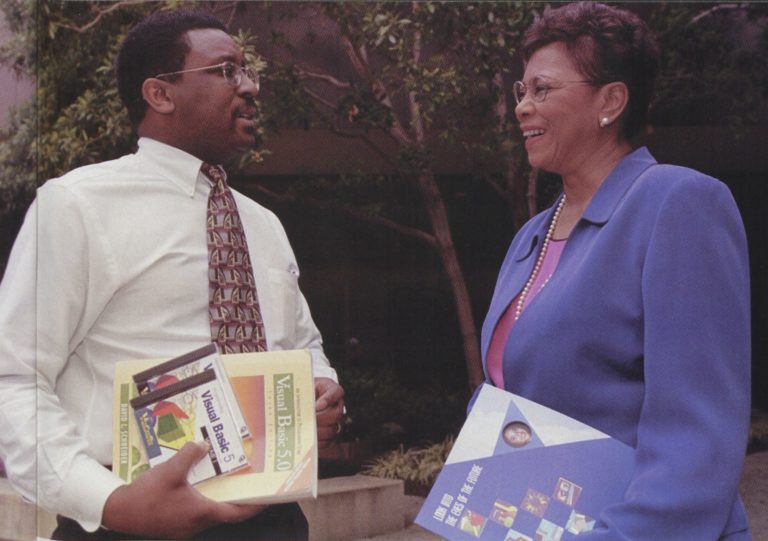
[284,522]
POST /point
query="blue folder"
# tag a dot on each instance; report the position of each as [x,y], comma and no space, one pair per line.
[520,471]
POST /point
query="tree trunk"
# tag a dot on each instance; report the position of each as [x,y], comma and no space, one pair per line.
[438,217]
[517,196]
[433,201]
[532,198]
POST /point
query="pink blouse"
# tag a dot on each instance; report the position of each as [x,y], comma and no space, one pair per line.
[507,321]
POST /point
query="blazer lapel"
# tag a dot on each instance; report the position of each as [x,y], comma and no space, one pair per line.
[515,271]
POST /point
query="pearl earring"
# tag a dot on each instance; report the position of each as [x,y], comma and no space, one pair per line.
[604,122]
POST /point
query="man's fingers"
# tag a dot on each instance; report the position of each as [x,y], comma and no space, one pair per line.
[188,456]
[230,513]
[328,392]
[329,409]
[328,432]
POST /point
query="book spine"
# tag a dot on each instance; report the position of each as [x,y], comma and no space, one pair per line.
[285,422]
[142,378]
[194,362]
[151,397]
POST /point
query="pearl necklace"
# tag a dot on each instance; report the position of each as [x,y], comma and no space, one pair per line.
[539,260]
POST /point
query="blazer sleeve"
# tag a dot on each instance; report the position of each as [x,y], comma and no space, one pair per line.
[692,433]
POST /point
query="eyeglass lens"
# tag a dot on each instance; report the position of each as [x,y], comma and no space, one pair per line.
[518,91]
[234,74]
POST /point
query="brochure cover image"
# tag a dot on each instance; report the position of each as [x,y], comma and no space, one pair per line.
[522,472]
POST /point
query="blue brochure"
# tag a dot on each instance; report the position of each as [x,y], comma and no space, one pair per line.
[522,472]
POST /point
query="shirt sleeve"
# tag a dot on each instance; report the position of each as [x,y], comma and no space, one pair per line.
[692,433]
[43,298]
[306,333]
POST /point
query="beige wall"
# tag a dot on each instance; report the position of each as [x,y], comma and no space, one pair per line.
[13,92]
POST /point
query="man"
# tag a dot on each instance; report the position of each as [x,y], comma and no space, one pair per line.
[112,263]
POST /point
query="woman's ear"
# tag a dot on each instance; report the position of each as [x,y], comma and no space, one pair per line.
[158,95]
[615,99]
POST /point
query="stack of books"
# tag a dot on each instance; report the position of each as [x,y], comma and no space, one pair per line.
[254,410]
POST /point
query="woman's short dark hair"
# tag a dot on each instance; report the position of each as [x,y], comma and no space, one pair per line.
[606,44]
[155,45]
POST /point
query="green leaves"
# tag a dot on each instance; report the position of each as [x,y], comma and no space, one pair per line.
[77,117]
[714,63]
[416,464]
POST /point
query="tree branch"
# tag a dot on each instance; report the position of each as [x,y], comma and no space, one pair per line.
[318,98]
[416,118]
[367,140]
[531,195]
[341,133]
[359,60]
[322,77]
[714,10]
[224,6]
[99,14]
[324,205]
[501,107]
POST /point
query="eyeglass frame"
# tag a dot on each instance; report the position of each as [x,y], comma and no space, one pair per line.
[241,71]
[517,84]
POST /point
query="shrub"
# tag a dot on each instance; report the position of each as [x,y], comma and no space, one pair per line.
[758,431]
[389,413]
[416,466]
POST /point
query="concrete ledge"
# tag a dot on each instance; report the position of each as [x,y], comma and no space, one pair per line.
[355,507]
[346,508]
[360,507]
[21,520]
[754,491]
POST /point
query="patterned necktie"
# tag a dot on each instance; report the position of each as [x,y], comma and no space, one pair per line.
[233,307]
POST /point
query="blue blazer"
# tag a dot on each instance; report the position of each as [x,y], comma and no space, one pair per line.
[643,332]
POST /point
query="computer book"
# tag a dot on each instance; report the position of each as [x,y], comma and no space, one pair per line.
[275,392]
[520,471]
[192,409]
[187,365]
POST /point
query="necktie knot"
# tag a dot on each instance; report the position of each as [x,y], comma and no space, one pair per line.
[216,174]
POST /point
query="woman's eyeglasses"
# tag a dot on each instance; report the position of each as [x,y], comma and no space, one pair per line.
[539,89]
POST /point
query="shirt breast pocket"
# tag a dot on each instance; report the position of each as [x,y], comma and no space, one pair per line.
[280,313]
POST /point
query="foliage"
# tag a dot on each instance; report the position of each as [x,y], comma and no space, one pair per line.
[419,465]
[694,38]
[387,412]
[434,75]
[77,117]
[758,431]
[18,51]
[467,59]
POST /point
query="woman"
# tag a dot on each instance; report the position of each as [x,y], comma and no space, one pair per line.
[626,304]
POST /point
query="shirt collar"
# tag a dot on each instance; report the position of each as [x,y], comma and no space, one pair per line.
[178,166]
[616,184]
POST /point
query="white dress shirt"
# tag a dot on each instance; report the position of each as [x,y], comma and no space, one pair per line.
[112,264]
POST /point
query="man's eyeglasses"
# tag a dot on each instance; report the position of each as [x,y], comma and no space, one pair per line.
[539,89]
[232,73]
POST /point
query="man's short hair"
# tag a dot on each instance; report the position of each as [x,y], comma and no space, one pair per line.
[155,45]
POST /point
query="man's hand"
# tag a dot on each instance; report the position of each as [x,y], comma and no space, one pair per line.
[329,407]
[161,503]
